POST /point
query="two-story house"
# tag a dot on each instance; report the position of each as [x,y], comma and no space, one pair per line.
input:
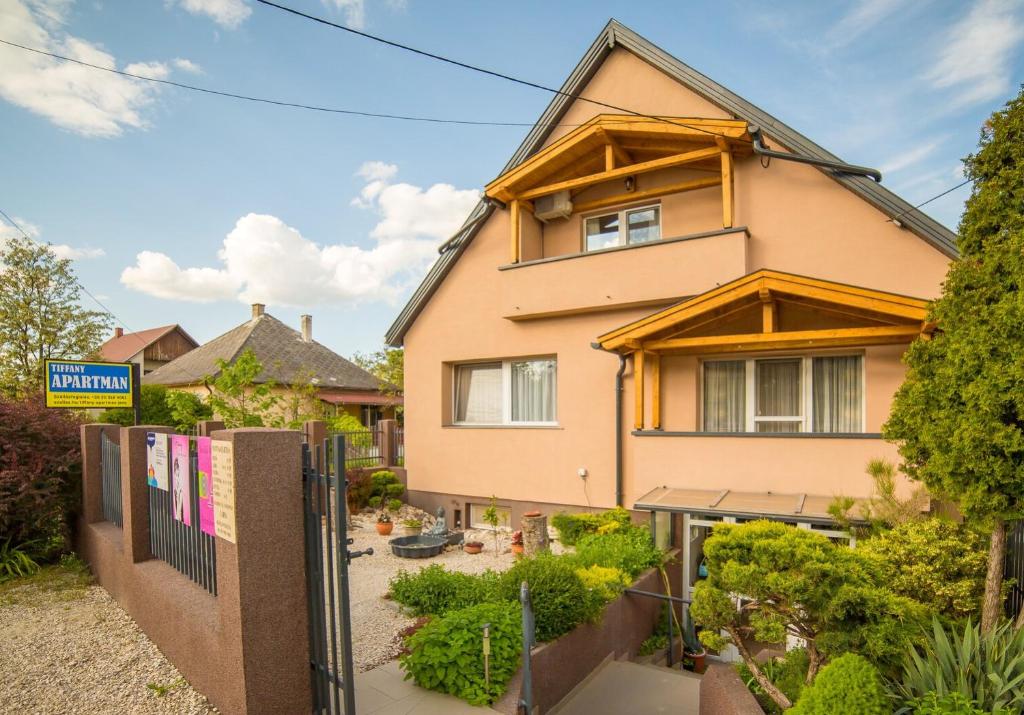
[649,309]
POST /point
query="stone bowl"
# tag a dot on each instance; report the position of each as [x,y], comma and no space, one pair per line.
[417,547]
[455,537]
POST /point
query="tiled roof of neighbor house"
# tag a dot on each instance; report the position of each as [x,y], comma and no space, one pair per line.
[285,356]
[615,35]
[122,348]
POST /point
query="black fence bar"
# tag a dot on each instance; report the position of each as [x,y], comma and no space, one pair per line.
[362,449]
[1014,568]
[399,446]
[110,467]
[184,546]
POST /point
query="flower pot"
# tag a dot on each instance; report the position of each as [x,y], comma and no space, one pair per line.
[698,659]
[517,548]
[412,530]
[385,528]
[473,547]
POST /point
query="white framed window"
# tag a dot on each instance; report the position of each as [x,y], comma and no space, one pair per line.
[476,516]
[822,393]
[622,228]
[509,392]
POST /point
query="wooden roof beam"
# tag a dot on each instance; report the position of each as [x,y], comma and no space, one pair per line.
[839,337]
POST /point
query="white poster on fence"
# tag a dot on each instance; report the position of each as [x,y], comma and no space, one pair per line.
[222,458]
[156,460]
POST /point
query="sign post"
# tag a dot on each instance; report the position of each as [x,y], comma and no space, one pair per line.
[80,384]
[137,392]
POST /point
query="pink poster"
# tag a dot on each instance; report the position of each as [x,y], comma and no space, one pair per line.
[181,481]
[205,468]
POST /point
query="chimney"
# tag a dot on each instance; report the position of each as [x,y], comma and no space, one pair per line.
[257,310]
[307,328]
[118,332]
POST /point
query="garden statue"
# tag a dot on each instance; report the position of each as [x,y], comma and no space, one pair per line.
[440,527]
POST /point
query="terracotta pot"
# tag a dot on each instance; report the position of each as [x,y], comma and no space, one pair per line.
[517,548]
[385,528]
[698,659]
[531,514]
[473,548]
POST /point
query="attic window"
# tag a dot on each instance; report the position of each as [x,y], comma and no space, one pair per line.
[623,228]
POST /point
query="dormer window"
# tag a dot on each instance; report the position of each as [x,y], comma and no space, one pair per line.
[623,228]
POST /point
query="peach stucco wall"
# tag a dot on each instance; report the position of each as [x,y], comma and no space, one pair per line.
[799,220]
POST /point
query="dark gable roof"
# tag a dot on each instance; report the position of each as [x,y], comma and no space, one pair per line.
[285,356]
[616,34]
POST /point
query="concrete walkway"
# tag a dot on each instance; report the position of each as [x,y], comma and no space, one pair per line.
[620,687]
[383,691]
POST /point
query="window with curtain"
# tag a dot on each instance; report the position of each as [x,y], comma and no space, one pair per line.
[725,396]
[621,228]
[837,393]
[821,394]
[506,392]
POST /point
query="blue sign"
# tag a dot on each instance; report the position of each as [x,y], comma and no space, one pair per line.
[81,384]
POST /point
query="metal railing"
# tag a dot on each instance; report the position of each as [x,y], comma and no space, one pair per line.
[110,468]
[669,601]
[399,446]
[1014,567]
[525,705]
[185,547]
[362,449]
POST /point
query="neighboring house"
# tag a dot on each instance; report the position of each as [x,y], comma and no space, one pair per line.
[148,348]
[289,358]
[749,312]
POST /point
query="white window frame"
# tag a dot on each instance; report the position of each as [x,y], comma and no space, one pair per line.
[623,215]
[806,392]
[506,393]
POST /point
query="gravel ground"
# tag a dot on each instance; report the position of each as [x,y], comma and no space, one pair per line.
[69,648]
[376,620]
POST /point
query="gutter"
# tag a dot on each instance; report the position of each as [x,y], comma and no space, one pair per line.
[619,491]
[759,148]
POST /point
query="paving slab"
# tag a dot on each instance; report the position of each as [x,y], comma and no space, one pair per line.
[620,687]
[384,691]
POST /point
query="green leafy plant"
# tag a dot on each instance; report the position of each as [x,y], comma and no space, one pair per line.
[653,644]
[604,583]
[394,504]
[491,518]
[383,518]
[629,549]
[936,561]
[160,690]
[433,591]
[849,684]
[558,596]
[15,562]
[412,524]
[241,395]
[786,673]
[798,583]
[374,502]
[571,527]
[985,668]
[949,704]
[447,654]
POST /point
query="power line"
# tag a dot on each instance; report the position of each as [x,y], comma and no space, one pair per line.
[481,70]
[937,196]
[278,102]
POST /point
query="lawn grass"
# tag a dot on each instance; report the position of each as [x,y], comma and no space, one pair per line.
[63,581]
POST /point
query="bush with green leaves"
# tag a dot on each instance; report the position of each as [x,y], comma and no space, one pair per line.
[949,704]
[985,668]
[15,561]
[849,684]
[936,561]
[394,504]
[557,594]
[571,527]
[373,502]
[630,549]
[787,673]
[447,654]
[434,590]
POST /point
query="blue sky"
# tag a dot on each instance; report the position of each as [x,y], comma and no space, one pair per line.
[161,194]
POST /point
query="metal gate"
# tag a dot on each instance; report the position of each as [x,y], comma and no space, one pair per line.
[1014,567]
[327,559]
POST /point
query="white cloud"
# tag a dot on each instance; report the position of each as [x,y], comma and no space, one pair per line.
[265,260]
[864,15]
[62,250]
[187,65]
[226,13]
[355,11]
[977,54]
[910,157]
[82,99]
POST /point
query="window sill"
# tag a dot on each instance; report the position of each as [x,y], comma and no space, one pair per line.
[458,426]
[761,435]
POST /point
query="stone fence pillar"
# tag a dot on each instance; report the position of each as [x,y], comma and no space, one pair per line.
[388,445]
[92,469]
[204,428]
[135,491]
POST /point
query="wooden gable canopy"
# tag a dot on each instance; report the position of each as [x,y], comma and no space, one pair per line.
[619,146]
[765,311]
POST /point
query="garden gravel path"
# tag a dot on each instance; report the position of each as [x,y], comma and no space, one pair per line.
[75,651]
[376,621]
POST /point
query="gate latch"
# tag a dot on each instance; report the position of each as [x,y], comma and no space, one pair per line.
[357,554]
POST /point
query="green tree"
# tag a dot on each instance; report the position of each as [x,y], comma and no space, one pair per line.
[40,315]
[792,581]
[238,399]
[958,418]
[187,409]
[155,410]
[387,364]
[299,402]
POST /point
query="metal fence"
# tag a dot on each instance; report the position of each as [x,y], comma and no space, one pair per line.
[183,546]
[363,449]
[399,446]
[110,466]
[1014,567]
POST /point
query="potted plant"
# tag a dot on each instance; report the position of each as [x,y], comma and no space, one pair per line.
[384,524]
[517,542]
[473,547]
[412,527]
